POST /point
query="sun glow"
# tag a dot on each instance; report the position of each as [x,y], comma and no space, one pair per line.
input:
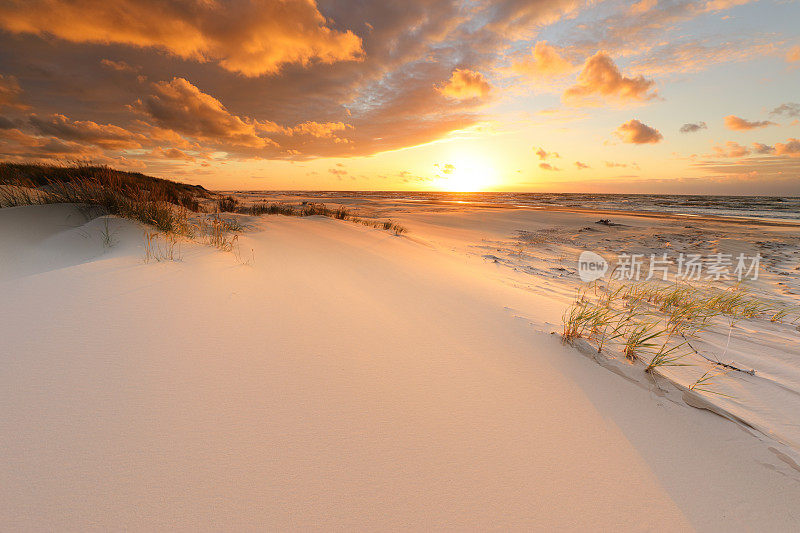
[466,173]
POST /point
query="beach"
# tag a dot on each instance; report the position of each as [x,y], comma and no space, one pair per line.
[325,374]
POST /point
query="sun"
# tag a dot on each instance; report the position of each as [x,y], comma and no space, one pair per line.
[466,173]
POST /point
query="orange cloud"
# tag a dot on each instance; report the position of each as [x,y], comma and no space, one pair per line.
[465,84]
[106,136]
[793,55]
[719,5]
[251,38]
[732,122]
[170,153]
[325,130]
[790,148]
[20,146]
[731,149]
[181,110]
[642,6]
[601,77]
[9,91]
[634,132]
[548,166]
[543,155]
[581,166]
[545,61]
[180,106]
[118,66]
[760,148]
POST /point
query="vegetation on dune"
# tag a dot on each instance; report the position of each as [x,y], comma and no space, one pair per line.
[306,209]
[56,178]
[165,205]
[656,325]
[160,203]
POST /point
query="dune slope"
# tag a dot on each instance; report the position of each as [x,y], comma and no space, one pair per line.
[345,378]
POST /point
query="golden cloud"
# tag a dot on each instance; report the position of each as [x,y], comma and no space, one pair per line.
[180,106]
[732,122]
[790,148]
[106,136]
[601,77]
[545,61]
[544,155]
[731,149]
[634,132]
[465,84]
[252,38]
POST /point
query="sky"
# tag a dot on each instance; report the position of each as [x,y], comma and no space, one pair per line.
[652,96]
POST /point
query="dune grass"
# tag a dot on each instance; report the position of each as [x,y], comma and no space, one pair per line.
[307,209]
[161,247]
[168,207]
[163,204]
[654,324]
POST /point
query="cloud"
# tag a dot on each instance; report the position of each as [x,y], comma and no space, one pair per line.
[251,38]
[756,170]
[759,148]
[446,168]
[171,153]
[788,109]
[793,55]
[520,18]
[790,148]
[601,77]
[118,66]
[693,127]
[613,164]
[9,91]
[543,155]
[180,106]
[326,130]
[548,166]
[634,132]
[20,146]
[545,61]
[696,55]
[581,166]
[465,84]
[731,149]
[642,6]
[106,136]
[718,5]
[732,122]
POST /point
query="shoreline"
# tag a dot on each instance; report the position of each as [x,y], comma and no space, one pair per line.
[569,209]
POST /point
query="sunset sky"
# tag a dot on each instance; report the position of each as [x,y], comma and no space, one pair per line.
[523,95]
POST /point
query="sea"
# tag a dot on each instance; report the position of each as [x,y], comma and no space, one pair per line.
[786,208]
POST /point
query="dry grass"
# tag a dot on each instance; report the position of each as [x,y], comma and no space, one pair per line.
[161,247]
[307,209]
[216,231]
[654,323]
[159,203]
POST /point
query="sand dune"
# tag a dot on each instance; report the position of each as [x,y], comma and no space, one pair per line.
[345,378]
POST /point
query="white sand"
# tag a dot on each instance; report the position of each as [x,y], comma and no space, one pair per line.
[345,379]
